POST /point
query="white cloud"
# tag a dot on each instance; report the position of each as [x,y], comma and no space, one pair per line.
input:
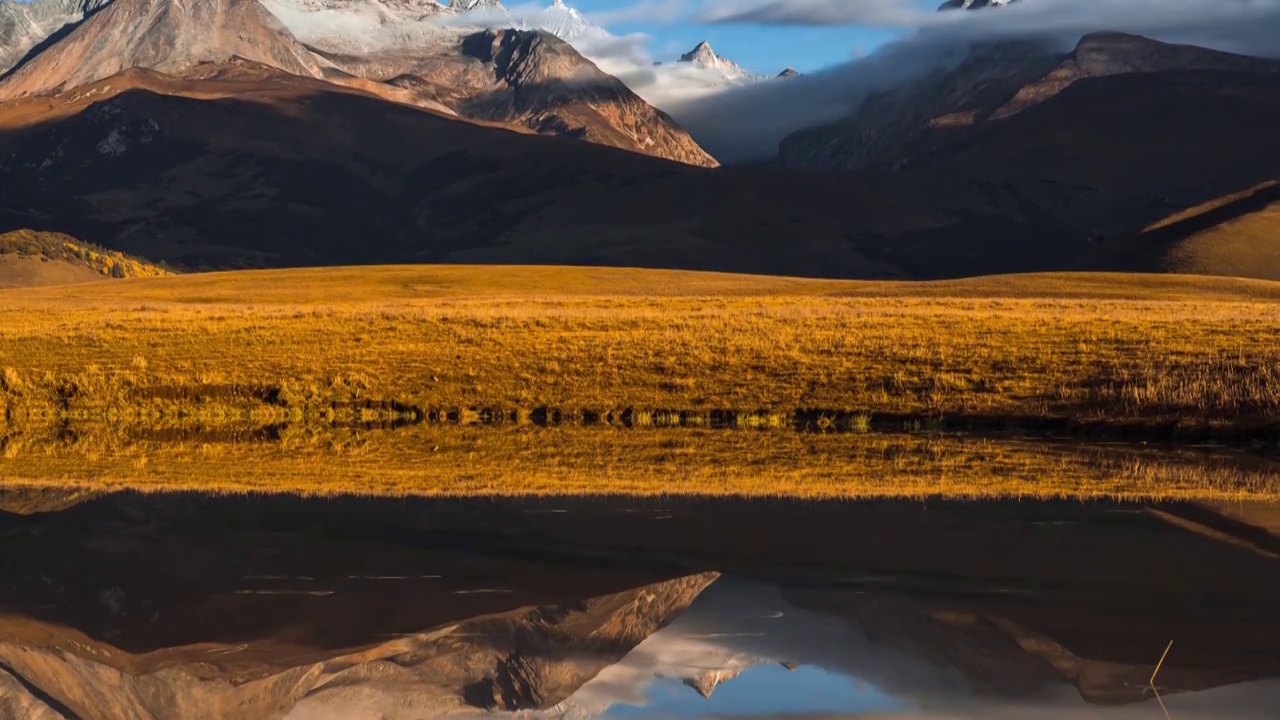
[1244,25]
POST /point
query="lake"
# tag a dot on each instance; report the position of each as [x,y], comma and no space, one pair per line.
[190,605]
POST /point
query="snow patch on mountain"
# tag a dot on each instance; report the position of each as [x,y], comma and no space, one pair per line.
[727,71]
[570,25]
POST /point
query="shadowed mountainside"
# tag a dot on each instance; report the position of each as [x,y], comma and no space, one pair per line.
[921,119]
[1089,149]
[224,174]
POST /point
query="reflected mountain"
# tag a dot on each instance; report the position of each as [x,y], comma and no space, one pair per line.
[188,606]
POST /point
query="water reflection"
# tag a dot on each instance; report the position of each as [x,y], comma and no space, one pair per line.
[743,649]
[258,607]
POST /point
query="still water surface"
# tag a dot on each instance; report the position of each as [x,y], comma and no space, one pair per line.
[188,606]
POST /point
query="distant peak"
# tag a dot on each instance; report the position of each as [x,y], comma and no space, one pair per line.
[702,53]
[789,72]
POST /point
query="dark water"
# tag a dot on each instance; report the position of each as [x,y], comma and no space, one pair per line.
[168,606]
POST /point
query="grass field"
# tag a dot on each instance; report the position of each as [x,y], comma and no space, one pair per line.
[1111,349]
[291,380]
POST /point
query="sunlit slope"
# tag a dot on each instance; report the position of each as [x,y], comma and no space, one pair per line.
[30,258]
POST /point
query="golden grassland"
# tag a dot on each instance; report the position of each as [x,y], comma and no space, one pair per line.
[458,460]
[303,344]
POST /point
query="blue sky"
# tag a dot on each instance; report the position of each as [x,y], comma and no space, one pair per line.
[759,48]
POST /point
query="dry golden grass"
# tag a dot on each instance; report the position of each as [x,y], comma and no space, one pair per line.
[452,460]
[1246,244]
[301,343]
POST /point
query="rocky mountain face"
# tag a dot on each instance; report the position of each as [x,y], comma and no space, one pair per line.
[528,79]
[876,134]
[535,80]
[24,25]
[169,36]
[893,129]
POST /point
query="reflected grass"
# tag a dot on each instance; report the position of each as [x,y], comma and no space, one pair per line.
[570,460]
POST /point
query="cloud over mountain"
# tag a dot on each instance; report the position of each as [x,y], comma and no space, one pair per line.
[931,40]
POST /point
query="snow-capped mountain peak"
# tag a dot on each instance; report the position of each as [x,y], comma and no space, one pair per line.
[568,24]
[703,56]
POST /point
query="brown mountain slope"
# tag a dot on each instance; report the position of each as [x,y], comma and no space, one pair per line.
[282,170]
[165,35]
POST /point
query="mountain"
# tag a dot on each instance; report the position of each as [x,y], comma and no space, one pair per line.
[220,169]
[570,25]
[704,57]
[528,78]
[532,79]
[1092,147]
[169,36]
[24,25]
[909,123]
